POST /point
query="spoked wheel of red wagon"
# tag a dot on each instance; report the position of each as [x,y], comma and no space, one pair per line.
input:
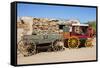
[88,42]
[73,42]
[26,49]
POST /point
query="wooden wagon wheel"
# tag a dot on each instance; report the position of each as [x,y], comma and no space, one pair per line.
[32,48]
[58,45]
[88,42]
[19,47]
[73,42]
[26,49]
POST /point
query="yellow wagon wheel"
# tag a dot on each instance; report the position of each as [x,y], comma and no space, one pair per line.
[88,42]
[73,42]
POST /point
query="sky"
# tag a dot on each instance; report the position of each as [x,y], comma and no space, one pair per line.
[83,14]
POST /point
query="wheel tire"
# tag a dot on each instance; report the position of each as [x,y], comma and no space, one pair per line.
[88,43]
[26,50]
[57,46]
[20,47]
[73,42]
[33,48]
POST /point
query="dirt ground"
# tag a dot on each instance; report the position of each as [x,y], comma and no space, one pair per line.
[80,54]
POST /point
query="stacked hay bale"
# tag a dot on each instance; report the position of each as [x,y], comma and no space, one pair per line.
[53,26]
[44,26]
